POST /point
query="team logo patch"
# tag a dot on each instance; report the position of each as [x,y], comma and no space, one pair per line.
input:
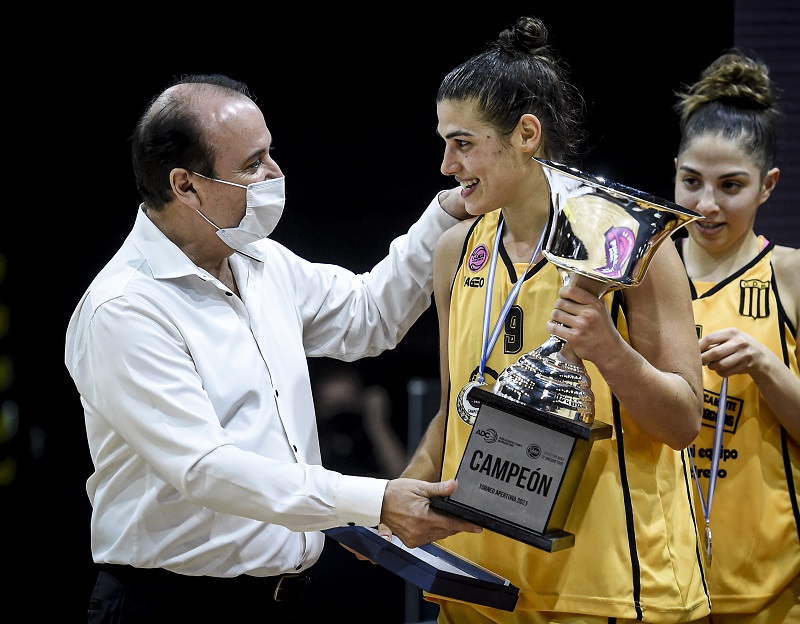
[754,298]
[478,258]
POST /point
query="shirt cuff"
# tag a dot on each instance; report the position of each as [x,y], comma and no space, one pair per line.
[359,500]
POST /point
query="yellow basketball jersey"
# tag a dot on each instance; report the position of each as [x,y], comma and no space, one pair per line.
[636,552]
[754,511]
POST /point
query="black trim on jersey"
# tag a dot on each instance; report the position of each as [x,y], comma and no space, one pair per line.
[444,433]
[512,273]
[783,318]
[785,323]
[636,571]
[787,466]
[509,264]
[735,275]
[688,485]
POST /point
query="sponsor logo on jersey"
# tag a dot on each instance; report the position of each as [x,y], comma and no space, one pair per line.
[473,282]
[477,258]
[732,411]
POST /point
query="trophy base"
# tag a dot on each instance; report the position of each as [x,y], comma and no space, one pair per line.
[520,470]
[551,542]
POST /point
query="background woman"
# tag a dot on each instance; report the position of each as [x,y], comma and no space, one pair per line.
[746,293]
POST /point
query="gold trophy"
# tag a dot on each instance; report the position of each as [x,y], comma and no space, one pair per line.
[601,236]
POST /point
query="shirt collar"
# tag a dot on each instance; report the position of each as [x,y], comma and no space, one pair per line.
[165,258]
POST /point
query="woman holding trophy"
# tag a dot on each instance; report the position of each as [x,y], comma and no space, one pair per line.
[746,292]
[636,554]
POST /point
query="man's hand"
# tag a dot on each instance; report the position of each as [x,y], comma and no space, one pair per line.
[406,512]
[453,204]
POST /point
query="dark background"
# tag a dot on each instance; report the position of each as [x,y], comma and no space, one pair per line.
[349,99]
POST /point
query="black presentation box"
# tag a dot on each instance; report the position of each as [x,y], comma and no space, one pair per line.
[431,568]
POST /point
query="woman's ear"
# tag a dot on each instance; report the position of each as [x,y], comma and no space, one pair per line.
[770,180]
[529,131]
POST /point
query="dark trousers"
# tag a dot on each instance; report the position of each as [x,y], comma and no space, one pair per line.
[126,595]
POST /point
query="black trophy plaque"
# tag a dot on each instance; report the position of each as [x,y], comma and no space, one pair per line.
[520,470]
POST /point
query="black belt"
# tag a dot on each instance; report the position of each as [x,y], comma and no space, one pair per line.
[284,588]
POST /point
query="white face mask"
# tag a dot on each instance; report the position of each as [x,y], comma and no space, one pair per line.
[265,202]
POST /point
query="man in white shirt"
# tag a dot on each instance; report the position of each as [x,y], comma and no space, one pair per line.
[189,353]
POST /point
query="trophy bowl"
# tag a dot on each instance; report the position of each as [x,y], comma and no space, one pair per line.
[601,236]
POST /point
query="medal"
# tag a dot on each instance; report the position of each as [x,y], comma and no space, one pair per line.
[708,544]
[467,408]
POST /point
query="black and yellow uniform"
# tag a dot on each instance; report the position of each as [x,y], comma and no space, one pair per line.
[754,517]
[636,553]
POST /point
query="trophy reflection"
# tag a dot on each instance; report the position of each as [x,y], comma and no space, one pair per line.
[601,237]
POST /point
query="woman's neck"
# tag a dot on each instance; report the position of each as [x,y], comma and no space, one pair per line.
[524,223]
[705,266]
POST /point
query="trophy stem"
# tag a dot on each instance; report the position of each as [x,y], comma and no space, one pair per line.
[552,346]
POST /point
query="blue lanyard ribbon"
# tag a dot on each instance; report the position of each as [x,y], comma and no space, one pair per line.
[489,341]
[716,451]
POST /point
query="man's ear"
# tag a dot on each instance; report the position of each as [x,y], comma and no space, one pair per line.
[529,133]
[180,180]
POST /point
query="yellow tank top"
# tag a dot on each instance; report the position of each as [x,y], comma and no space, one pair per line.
[754,511]
[636,552]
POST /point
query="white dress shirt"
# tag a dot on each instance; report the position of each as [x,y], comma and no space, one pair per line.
[198,405]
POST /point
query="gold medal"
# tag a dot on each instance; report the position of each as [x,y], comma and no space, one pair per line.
[467,408]
[708,544]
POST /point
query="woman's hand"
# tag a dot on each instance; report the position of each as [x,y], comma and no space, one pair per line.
[582,319]
[732,352]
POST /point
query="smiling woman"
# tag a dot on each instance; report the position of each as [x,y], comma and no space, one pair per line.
[746,300]
[505,114]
